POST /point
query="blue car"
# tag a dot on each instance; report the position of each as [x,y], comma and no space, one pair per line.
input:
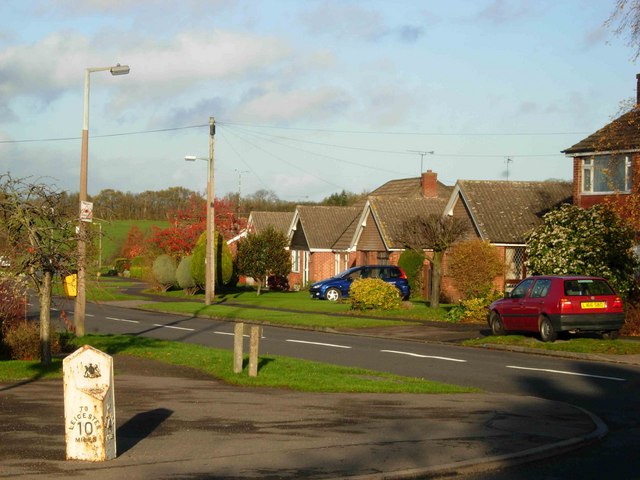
[335,288]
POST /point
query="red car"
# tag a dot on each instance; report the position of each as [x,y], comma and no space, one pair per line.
[550,305]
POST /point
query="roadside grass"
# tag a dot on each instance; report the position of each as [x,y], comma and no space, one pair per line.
[274,371]
[315,320]
[575,345]
[299,301]
[107,289]
[16,370]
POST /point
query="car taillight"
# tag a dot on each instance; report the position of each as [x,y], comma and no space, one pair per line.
[565,305]
[617,303]
[402,274]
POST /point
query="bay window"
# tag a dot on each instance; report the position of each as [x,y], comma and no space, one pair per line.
[606,174]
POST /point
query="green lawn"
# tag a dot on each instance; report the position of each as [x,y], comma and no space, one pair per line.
[114,234]
[576,345]
[274,371]
[416,309]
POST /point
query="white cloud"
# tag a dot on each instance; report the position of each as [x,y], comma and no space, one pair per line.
[285,106]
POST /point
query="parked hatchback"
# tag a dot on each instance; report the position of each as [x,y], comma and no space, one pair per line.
[334,288]
[550,305]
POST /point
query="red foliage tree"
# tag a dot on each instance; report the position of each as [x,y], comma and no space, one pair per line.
[134,246]
[188,224]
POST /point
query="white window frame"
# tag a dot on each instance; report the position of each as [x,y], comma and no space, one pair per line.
[591,174]
[295,261]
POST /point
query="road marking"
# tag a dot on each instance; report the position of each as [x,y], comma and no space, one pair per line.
[319,344]
[122,320]
[562,372]
[424,356]
[233,334]
[174,327]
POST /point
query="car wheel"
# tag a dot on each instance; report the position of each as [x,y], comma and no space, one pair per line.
[497,327]
[333,295]
[611,335]
[547,332]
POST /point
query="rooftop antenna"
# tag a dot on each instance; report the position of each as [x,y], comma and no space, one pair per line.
[508,161]
[422,154]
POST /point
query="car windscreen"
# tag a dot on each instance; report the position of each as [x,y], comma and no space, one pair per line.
[585,287]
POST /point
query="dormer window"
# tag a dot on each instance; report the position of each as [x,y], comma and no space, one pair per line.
[606,174]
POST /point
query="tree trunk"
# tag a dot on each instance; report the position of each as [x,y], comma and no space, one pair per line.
[436,279]
[45,319]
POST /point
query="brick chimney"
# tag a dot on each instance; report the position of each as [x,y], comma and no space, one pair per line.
[429,183]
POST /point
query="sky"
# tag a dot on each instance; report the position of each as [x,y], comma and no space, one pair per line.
[309,97]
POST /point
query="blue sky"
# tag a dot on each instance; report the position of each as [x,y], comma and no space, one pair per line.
[310,97]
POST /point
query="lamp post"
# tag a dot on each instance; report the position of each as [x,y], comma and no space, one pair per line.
[210,270]
[81,300]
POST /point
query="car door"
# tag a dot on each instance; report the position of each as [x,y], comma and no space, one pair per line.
[512,308]
[533,304]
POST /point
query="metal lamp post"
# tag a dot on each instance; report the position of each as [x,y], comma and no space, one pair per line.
[81,300]
[210,270]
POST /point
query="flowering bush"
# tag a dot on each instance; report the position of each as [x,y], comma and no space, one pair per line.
[472,310]
[576,241]
[373,294]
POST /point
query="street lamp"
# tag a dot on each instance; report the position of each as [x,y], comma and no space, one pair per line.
[210,270]
[81,299]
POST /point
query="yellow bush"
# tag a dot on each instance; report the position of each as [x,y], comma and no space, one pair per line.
[374,294]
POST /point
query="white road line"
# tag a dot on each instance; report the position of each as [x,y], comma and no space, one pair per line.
[425,356]
[617,379]
[175,328]
[233,334]
[319,344]
[122,320]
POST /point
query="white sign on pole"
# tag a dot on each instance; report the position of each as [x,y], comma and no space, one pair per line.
[86,211]
[89,405]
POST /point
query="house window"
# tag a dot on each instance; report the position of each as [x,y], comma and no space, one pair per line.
[606,173]
[514,263]
[295,261]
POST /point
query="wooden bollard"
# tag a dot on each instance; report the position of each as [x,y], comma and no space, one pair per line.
[254,342]
[238,332]
[255,332]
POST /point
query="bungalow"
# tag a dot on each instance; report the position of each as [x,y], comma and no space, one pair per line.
[503,213]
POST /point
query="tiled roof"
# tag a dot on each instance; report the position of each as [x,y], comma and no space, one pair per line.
[505,211]
[391,213]
[328,227]
[281,221]
[408,188]
[621,134]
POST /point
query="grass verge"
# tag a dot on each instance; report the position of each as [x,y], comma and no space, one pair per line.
[274,317]
[274,371]
[575,345]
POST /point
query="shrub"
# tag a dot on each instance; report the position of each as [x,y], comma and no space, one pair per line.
[278,283]
[223,261]
[184,278]
[631,318]
[412,263]
[473,266]
[577,241]
[121,264]
[13,293]
[472,310]
[22,340]
[374,294]
[164,271]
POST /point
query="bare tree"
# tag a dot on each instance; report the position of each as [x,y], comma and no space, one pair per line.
[41,241]
[437,233]
[625,22]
